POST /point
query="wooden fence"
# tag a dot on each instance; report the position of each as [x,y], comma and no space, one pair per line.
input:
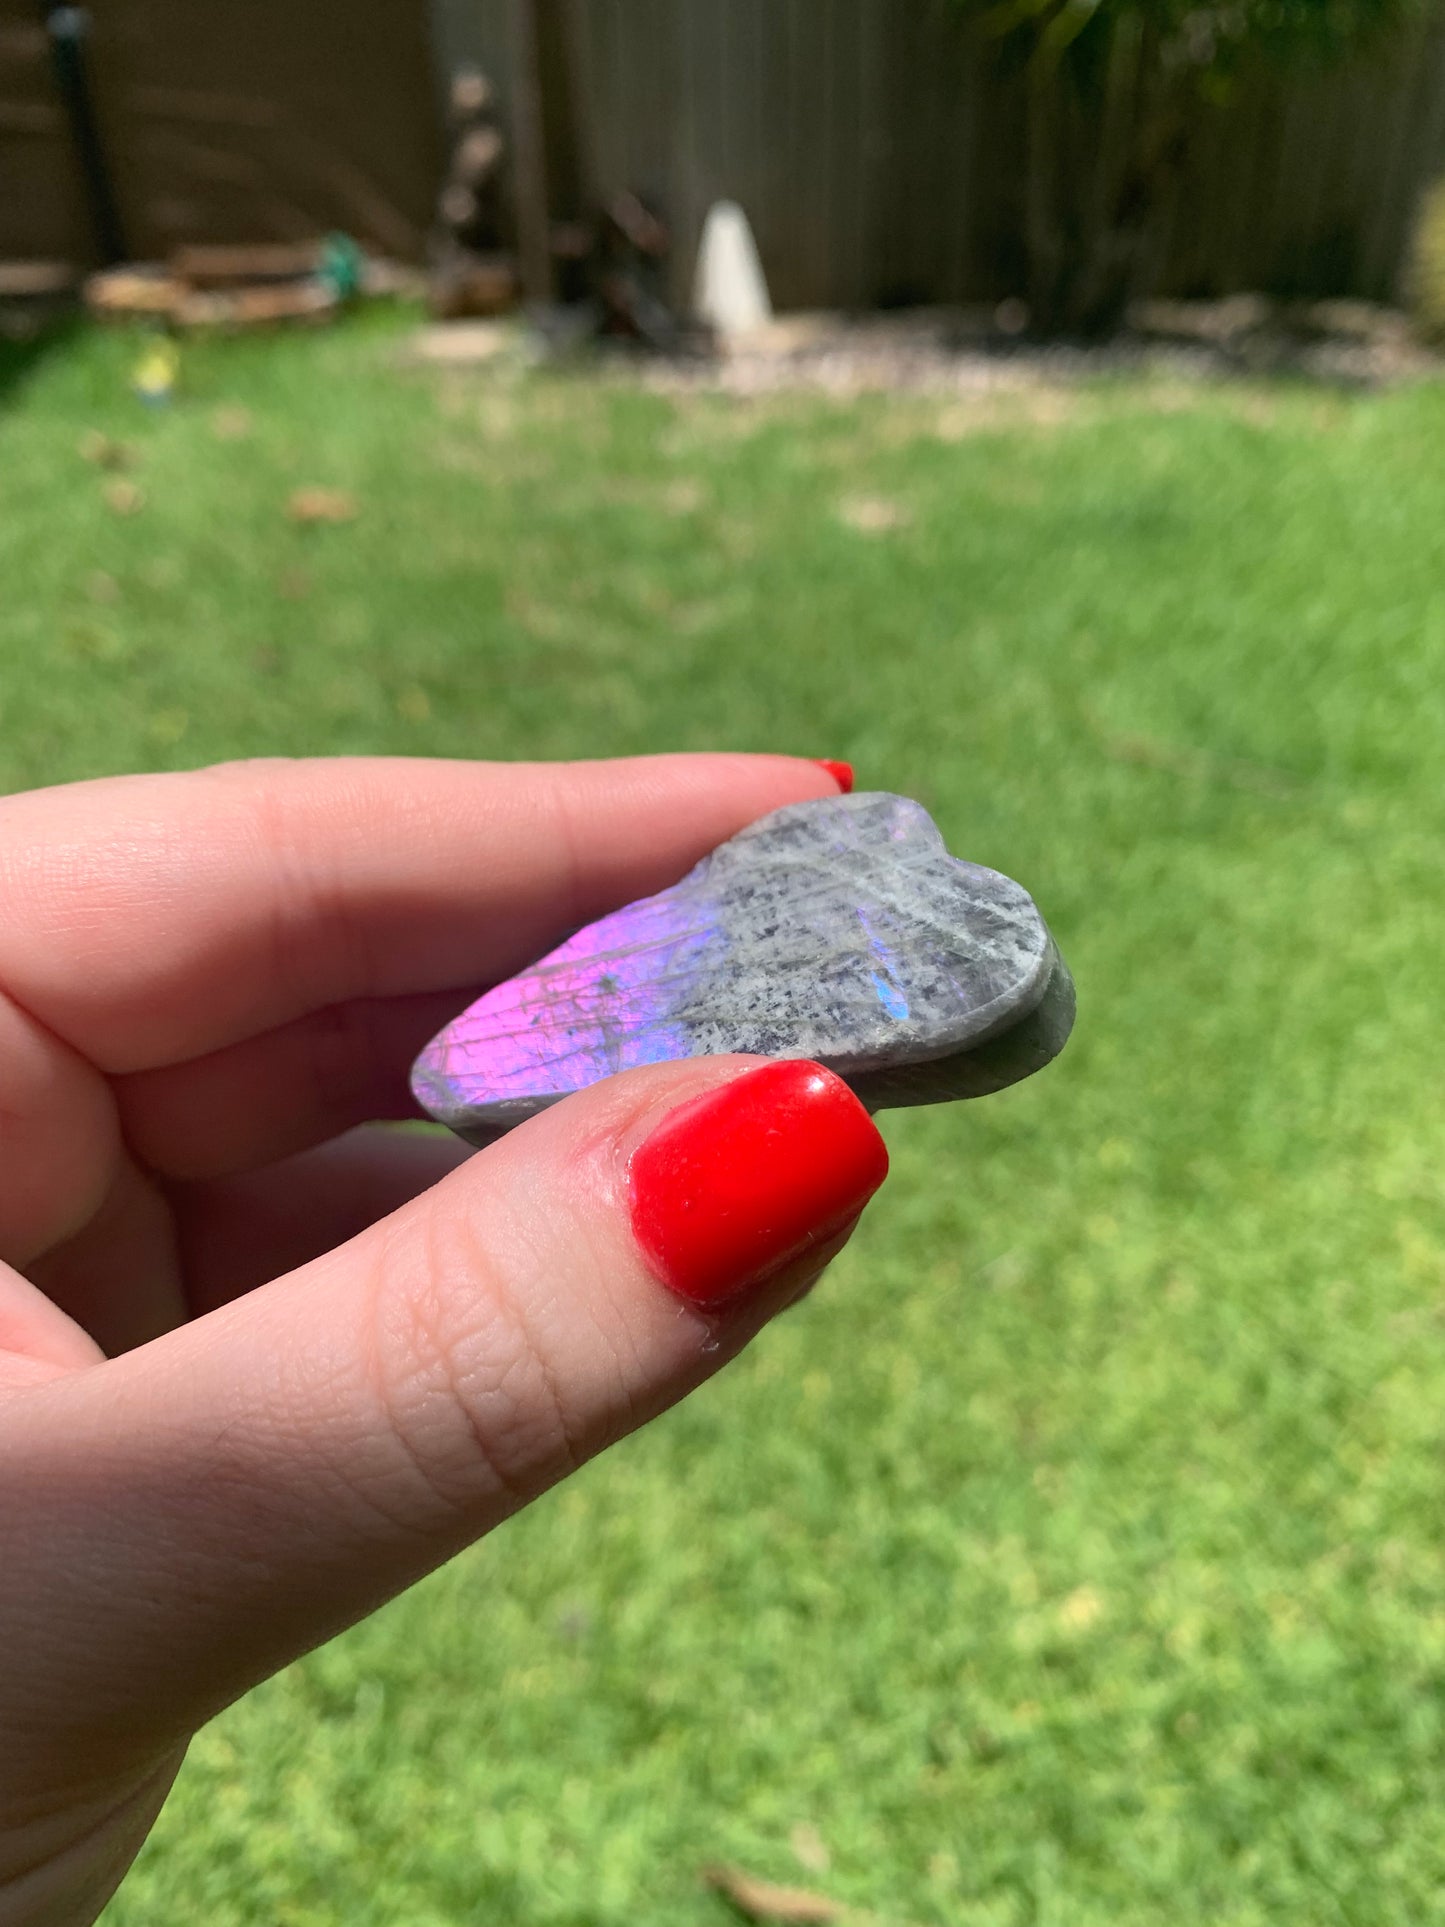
[878,148]
[875,143]
[251,120]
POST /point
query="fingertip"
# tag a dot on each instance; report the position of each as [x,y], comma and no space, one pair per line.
[739,1183]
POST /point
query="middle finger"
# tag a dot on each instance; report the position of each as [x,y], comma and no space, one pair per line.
[272,1096]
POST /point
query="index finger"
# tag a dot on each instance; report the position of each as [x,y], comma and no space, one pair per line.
[150,919]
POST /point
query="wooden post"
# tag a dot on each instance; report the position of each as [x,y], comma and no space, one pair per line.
[529,155]
[68,28]
[578,121]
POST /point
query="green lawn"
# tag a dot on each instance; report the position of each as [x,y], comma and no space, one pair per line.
[1077,1556]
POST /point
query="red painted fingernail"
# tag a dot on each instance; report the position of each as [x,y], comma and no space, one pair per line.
[731,1187]
[841,773]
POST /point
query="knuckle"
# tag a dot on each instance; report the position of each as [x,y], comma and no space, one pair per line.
[459,1360]
[312,912]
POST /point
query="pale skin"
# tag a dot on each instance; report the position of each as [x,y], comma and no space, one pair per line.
[263,1361]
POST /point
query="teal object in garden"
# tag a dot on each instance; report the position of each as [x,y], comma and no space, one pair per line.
[341,266]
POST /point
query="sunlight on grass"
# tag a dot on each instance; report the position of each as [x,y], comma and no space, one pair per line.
[1075,1555]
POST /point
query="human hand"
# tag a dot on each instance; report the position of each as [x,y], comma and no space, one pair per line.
[262,1362]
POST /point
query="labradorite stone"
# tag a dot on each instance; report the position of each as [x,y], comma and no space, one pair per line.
[840,930]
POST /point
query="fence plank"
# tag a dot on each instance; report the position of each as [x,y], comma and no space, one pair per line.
[878,149]
[877,145]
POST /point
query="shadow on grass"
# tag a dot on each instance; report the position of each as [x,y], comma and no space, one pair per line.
[21,354]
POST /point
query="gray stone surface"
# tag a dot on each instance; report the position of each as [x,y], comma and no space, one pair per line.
[840,930]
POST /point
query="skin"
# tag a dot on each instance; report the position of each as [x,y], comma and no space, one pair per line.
[264,1362]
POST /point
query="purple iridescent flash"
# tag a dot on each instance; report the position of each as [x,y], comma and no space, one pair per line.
[839,930]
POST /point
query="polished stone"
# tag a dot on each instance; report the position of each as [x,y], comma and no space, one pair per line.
[840,930]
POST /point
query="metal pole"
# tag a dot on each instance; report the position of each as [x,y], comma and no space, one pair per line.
[68,27]
[529,148]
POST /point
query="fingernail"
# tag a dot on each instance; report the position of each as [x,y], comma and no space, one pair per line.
[841,773]
[737,1184]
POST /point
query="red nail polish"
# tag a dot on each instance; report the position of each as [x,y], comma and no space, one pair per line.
[841,773]
[731,1187]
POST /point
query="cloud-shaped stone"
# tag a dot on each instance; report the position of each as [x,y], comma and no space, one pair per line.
[840,930]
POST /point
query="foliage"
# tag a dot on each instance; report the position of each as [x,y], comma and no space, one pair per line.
[1074,1554]
[1116,89]
[1427,266]
[1204,36]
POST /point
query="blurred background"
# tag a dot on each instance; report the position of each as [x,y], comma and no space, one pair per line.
[1036,403]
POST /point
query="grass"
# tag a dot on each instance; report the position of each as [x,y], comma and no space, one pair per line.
[1075,1558]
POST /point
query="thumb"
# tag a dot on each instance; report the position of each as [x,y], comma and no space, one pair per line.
[198,1512]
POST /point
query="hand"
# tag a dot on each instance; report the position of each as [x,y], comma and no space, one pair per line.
[264,1362]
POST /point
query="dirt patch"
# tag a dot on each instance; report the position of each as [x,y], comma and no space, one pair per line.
[964,355]
[1039,406]
[872,514]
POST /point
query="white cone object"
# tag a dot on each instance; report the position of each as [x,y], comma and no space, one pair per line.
[731,292]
